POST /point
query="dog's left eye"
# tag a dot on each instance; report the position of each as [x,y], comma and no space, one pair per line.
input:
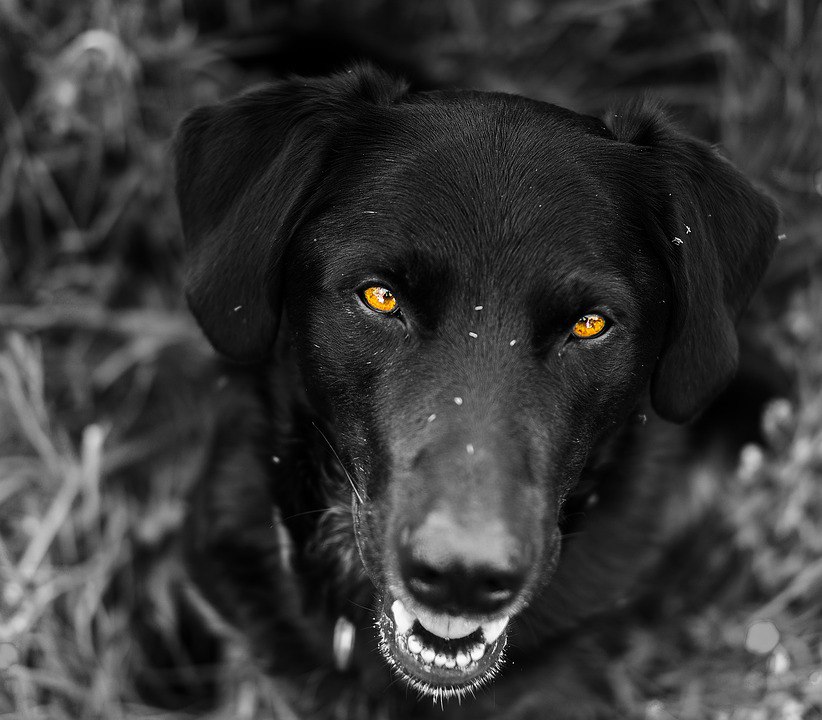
[589,326]
[380,299]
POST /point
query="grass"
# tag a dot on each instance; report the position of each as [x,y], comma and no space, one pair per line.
[104,378]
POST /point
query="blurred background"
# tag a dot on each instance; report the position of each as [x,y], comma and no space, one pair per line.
[104,380]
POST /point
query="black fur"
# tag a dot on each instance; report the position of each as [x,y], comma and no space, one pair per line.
[294,197]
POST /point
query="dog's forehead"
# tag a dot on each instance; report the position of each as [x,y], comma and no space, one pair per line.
[495,158]
[488,181]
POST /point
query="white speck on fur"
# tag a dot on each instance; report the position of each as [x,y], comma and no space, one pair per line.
[512,343]
[432,417]
[239,307]
[369,212]
[677,241]
[687,229]
[458,400]
[782,237]
[473,334]
[478,307]
[469,448]
[275,459]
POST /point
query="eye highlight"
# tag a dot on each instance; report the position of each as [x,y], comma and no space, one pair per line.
[589,326]
[380,299]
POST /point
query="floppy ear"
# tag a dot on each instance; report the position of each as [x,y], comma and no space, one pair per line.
[717,233]
[246,170]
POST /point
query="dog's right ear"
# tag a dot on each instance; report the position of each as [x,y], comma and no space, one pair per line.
[245,171]
[715,232]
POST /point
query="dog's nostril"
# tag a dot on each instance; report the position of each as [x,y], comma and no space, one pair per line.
[426,575]
[500,589]
[425,582]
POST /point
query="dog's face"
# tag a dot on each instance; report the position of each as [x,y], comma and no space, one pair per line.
[434,307]
[479,289]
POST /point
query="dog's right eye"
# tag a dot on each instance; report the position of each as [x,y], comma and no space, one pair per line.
[589,326]
[380,299]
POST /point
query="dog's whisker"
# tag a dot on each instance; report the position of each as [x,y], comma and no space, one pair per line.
[397,679]
[307,512]
[362,607]
[339,460]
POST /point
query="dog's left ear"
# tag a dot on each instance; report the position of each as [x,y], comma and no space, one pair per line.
[246,173]
[718,233]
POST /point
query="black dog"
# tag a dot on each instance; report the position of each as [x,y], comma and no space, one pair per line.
[480,299]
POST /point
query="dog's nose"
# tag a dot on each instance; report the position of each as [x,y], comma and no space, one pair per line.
[462,568]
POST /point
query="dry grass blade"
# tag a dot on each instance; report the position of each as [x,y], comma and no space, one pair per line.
[21,372]
[174,327]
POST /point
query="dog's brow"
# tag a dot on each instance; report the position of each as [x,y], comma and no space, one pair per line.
[600,285]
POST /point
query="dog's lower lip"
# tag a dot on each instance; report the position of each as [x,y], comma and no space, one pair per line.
[437,665]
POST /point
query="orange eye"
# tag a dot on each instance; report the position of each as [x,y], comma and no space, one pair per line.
[589,326]
[380,299]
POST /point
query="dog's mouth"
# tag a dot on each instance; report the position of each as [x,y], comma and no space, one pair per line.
[441,656]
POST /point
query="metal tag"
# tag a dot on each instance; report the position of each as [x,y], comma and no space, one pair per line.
[343,643]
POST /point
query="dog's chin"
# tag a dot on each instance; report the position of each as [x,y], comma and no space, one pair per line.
[441,656]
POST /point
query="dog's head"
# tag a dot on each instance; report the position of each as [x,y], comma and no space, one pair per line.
[478,289]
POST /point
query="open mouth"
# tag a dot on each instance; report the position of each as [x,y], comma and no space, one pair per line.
[442,656]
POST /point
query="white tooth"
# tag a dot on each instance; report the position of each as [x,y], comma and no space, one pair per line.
[403,619]
[428,655]
[450,662]
[439,660]
[493,630]
[414,645]
[477,652]
[449,627]
[463,659]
